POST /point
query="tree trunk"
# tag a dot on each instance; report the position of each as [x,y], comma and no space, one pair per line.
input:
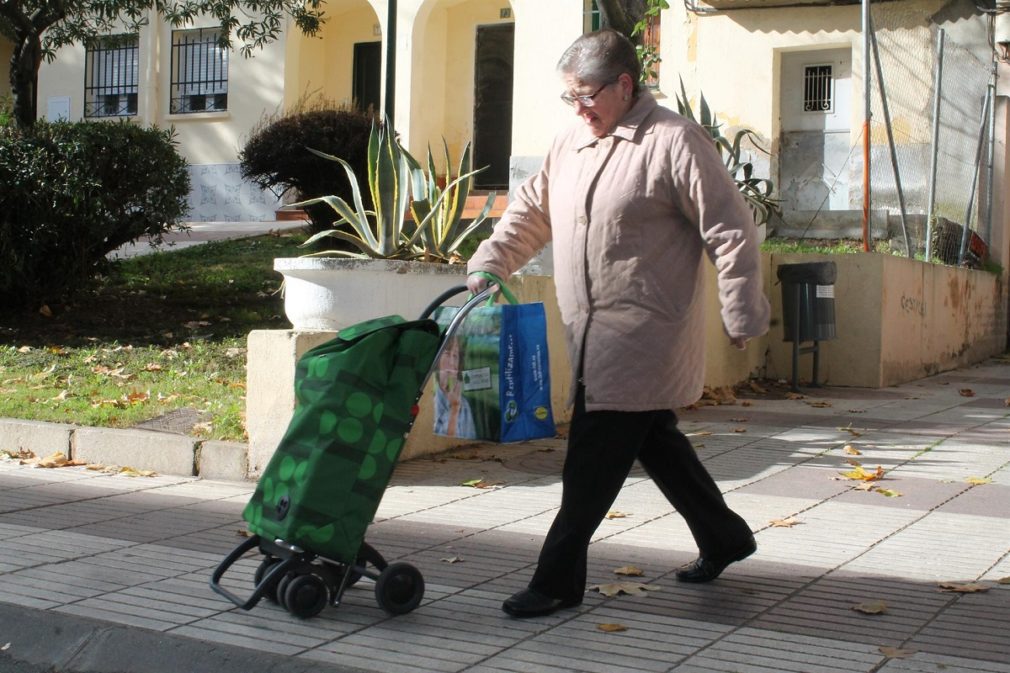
[622,15]
[25,63]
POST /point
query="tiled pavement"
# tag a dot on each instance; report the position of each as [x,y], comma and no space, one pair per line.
[137,552]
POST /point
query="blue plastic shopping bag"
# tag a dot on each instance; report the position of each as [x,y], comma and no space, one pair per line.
[492,378]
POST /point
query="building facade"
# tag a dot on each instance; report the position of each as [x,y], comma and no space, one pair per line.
[483,71]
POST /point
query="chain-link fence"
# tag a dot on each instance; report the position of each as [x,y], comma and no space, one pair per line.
[943,167]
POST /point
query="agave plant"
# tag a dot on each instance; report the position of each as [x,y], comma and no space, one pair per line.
[432,231]
[757,192]
[383,233]
[442,208]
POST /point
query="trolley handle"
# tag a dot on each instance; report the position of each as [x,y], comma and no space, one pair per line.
[456,320]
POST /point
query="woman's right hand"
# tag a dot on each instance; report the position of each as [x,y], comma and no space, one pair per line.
[476,283]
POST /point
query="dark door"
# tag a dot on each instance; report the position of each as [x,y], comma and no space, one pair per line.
[367,83]
[492,111]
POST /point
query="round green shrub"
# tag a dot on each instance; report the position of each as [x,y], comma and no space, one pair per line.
[74,192]
[276,157]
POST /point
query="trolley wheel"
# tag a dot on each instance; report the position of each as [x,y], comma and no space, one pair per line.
[264,568]
[282,587]
[306,595]
[399,589]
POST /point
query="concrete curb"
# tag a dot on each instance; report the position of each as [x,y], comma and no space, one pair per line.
[72,644]
[161,452]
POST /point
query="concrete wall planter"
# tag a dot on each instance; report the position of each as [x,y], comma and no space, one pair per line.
[327,293]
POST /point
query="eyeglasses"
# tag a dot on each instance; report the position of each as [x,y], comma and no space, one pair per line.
[586,100]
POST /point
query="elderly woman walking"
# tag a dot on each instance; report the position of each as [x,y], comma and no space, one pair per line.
[633,197]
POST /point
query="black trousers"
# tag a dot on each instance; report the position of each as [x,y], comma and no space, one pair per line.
[602,447]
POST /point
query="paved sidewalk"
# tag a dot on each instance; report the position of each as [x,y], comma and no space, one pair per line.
[109,573]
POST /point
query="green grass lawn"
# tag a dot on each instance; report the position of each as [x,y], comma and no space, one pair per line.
[161,334]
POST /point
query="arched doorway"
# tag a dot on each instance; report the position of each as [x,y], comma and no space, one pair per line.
[461,82]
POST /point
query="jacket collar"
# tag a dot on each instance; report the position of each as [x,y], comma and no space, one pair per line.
[628,126]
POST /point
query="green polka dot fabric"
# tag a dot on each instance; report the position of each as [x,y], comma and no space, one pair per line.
[355,395]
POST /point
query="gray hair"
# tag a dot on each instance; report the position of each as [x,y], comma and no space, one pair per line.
[601,57]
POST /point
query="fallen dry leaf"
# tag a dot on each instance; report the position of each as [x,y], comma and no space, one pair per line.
[848,429]
[851,450]
[966,588]
[612,628]
[627,588]
[871,608]
[966,392]
[860,473]
[1003,580]
[756,388]
[865,486]
[794,396]
[138,398]
[58,459]
[819,404]
[46,311]
[616,515]
[243,532]
[887,492]
[788,522]
[896,652]
[739,429]
[719,395]
[128,471]
[978,481]
[629,571]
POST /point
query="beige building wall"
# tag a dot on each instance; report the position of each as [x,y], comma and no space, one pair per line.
[742,83]
[896,320]
[538,112]
[255,88]
[209,141]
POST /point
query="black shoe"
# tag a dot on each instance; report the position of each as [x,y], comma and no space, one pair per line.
[532,603]
[707,569]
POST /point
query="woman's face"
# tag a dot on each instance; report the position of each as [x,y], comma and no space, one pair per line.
[610,101]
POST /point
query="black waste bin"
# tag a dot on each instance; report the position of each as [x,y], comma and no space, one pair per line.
[808,301]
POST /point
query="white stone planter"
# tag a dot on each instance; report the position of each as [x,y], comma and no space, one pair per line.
[328,293]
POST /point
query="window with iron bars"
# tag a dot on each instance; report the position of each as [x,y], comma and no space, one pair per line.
[199,72]
[818,89]
[111,68]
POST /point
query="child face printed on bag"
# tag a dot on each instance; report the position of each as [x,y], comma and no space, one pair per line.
[450,367]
